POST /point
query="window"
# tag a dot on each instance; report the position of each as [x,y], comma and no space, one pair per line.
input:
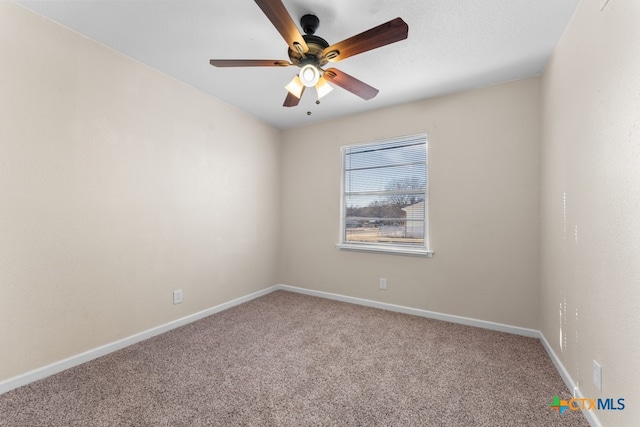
[384,196]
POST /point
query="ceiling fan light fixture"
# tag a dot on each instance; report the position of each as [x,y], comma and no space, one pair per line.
[295,87]
[309,75]
[323,87]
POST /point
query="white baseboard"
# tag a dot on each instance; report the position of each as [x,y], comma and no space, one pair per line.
[417,312]
[54,368]
[59,366]
[571,385]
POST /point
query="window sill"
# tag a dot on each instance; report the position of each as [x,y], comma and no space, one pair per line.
[395,250]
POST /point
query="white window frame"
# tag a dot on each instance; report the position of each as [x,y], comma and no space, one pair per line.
[389,248]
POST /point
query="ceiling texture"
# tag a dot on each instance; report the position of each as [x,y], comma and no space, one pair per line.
[453,45]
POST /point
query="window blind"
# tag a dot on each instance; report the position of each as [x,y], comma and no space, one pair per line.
[385,186]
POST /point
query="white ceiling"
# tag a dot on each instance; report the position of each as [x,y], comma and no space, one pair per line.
[453,45]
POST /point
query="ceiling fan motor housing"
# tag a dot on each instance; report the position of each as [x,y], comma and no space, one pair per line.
[314,55]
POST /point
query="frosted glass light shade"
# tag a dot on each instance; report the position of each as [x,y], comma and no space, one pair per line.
[295,87]
[323,87]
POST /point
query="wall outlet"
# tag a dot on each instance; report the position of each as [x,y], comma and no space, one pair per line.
[177,296]
[597,375]
[383,283]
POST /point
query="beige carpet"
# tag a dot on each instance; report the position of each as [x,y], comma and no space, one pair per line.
[292,360]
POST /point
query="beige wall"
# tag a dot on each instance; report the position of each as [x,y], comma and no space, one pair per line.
[484,211]
[118,185]
[590,199]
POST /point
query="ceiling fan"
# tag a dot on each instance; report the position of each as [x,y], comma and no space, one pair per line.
[311,53]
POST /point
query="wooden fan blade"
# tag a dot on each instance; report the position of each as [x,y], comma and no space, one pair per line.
[353,85]
[280,18]
[292,100]
[248,63]
[382,35]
